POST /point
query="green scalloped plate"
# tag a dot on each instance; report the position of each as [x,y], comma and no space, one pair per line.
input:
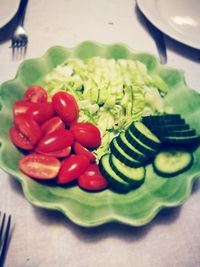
[138,207]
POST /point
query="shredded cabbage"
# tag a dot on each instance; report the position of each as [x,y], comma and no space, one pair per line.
[110,93]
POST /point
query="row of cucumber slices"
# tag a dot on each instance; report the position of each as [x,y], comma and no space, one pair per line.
[133,149]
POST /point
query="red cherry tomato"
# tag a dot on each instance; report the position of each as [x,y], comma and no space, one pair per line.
[55,141]
[86,134]
[71,168]
[21,107]
[92,179]
[40,112]
[28,127]
[19,139]
[35,94]
[39,166]
[81,150]
[52,125]
[65,106]
[65,152]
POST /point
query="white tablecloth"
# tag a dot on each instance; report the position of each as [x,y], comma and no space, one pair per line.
[44,238]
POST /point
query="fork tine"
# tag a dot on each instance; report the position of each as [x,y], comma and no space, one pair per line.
[4,238]
[1,229]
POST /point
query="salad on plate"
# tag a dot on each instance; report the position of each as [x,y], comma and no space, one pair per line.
[127,146]
[100,122]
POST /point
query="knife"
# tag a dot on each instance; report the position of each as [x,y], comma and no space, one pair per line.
[159,41]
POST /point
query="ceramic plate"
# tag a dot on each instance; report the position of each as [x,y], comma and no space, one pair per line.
[177,18]
[138,207]
[7,10]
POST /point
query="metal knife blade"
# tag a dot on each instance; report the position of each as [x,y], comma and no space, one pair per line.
[159,41]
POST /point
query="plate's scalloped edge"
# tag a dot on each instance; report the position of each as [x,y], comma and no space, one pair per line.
[112,217]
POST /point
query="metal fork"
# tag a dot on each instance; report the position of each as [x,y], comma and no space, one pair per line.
[20,38]
[4,236]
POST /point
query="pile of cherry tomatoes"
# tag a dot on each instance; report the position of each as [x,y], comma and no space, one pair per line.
[56,146]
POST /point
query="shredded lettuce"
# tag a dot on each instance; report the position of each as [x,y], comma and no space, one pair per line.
[110,93]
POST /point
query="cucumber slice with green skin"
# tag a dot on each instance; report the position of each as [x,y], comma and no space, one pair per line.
[123,156]
[115,180]
[165,123]
[172,161]
[130,149]
[183,140]
[189,132]
[169,127]
[139,130]
[148,151]
[134,176]
[161,118]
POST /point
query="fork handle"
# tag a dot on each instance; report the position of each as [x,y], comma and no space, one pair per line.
[22,11]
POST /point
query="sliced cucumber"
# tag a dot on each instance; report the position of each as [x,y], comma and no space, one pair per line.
[164,118]
[139,130]
[139,145]
[122,155]
[115,180]
[182,140]
[134,176]
[130,149]
[189,132]
[169,127]
[172,161]
[152,124]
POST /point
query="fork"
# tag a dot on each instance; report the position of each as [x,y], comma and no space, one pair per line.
[20,37]
[4,236]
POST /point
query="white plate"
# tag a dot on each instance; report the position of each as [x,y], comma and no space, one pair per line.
[180,19]
[8,9]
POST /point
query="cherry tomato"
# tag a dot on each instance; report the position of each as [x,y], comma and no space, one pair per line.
[40,112]
[28,127]
[21,107]
[55,141]
[65,106]
[19,139]
[71,168]
[52,125]
[35,94]
[92,179]
[39,166]
[65,152]
[81,150]
[86,134]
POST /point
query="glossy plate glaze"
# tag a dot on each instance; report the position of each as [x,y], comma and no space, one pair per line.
[138,207]
[177,18]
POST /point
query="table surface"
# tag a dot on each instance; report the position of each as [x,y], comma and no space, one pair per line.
[42,238]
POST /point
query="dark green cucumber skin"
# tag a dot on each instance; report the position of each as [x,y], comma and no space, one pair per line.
[119,156]
[164,123]
[186,140]
[170,116]
[140,157]
[147,141]
[133,183]
[184,133]
[169,127]
[121,187]
[161,118]
[167,175]
[138,146]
